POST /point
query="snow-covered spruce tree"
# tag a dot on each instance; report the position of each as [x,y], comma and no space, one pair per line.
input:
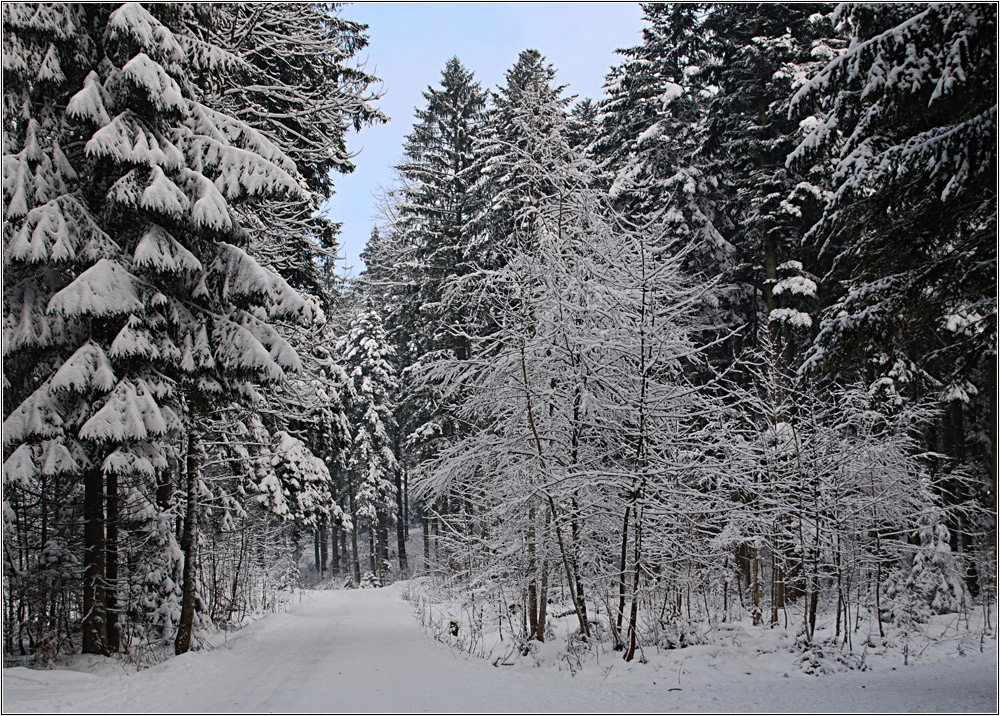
[652,119]
[909,118]
[389,286]
[68,299]
[584,125]
[438,200]
[507,138]
[299,90]
[653,122]
[372,464]
[495,197]
[133,295]
[526,113]
[436,203]
[291,62]
[930,580]
[757,56]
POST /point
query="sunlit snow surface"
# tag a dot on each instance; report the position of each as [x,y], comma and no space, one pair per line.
[363,651]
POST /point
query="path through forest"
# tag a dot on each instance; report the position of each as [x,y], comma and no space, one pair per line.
[363,651]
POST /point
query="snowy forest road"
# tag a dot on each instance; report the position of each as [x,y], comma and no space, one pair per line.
[363,651]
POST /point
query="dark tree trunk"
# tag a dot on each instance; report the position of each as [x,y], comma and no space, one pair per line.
[111,563]
[543,600]
[165,488]
[324,550]
[401,523]
[189,546]
[532,577]
[633,618]
[992,380]
[622,564]
[354,535]
[406,498]
[95,628]
[334,554]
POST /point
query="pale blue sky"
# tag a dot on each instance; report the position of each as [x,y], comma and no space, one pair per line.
[409,44]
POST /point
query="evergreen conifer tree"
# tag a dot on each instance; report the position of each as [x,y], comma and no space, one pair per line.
[372,465]
[131,287]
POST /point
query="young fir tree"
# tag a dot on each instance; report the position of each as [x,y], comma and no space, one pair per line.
[372,465]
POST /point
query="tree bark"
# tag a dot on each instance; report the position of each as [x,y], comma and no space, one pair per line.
[354,536]
[189,546]
[992,380]
[383,544]
[532,576]
[622,564]
[95,632]
[324,552]
[633,619]
[543,600]
[111,563]
[756,586]
[334,553]
[371,549]
[401,523]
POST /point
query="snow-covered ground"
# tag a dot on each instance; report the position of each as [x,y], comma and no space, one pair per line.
[363,651]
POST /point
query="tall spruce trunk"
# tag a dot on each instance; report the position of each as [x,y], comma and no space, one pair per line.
[777,590]
[401,522]
[355,565]
[111,563]
[95,628]
[992,380]
[334,553]
[323,550]
[345,558]
[756,586]
[189,546]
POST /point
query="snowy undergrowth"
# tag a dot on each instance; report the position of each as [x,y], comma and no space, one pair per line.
[693,654]
[138,656]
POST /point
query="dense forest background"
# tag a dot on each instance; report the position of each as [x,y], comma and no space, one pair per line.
[719,345]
